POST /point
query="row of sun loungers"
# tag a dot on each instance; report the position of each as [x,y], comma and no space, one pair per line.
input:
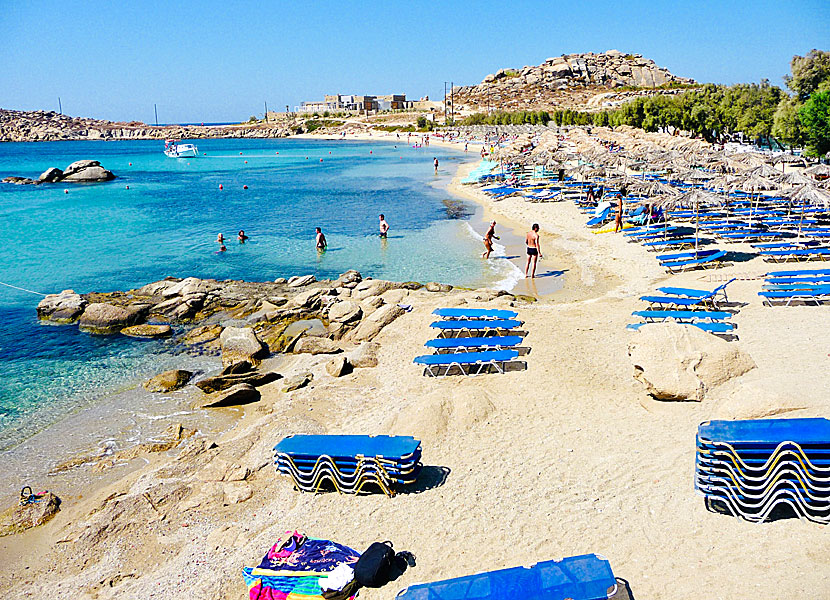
[688,306]
[754,469]
[348,462]
[804,287]
[471,341]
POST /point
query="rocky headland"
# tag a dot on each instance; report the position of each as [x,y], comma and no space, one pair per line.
[570,81]
[50,126]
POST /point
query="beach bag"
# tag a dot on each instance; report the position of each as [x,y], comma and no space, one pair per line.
[373,568]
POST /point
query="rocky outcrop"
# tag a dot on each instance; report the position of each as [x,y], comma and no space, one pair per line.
[168,381]
[43,126]
[86,171]
[681,362]
[65,307]
[343,312]
[226,381]
[316,345]
[372,324]
[103,318]
[50,175]
[24,516]
[241,393]
[564,81]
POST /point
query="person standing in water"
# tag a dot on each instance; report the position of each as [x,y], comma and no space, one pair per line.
[435,163]
[241,237]
[321,240]
[220,239]
[534,250]
[488,240]
[384,227]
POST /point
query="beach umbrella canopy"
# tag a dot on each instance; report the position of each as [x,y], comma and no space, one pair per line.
[765,170]
[819,170]
[795,178]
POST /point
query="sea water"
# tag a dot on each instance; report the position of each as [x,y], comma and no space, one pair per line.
[161,217]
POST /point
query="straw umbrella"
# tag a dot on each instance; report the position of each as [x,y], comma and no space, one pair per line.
[810,194]
[754,183]
[788,158]
[819,170]
[697,197]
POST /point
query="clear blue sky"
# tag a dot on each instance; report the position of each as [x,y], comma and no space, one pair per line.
[206,60]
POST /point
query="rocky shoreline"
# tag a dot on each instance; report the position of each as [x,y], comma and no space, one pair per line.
[50,126]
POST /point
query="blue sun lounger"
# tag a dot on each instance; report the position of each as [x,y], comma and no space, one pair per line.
[716,328]
[476,326]
[475,362]
[700,294]
[585,577]
[474,313]
[463,344]
[600,219]
[817,295]
[681,315]
[711,261]
[804,273]
[803,254]
[673,301]
[685,255]
[676,243]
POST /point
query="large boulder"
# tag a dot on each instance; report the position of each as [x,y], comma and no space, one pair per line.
[379,319]
[308,299]
[219,383]
[86,171]
[343,312]
[31,514]
[168,381]
[372,287]
[365,355]
[682,362]
[297,382]
[337,366]
[241,393]
[65,307]
[103,318]
[241,344]
[50,175]
[300,281]
[316,345]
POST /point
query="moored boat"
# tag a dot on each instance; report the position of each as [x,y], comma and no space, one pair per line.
[175,149]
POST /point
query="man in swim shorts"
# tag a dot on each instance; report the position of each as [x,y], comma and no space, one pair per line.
[435,162]
[534,250]
[384,226]
[321,240]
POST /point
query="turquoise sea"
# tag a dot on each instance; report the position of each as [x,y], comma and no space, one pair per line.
[101,237]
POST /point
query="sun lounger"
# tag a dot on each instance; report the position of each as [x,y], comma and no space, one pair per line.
[585,577]
[600,219]
[467,363]
[716,328]
[685,255]
[701,294]
[803,273]
[671,243]
[474,313]
[474,326]
[711,261]
[463,344]
[797,255]
[678,301]
[817,296]
[652,316]
[349,462]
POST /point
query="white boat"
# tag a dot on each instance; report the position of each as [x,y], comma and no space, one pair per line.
[175,149]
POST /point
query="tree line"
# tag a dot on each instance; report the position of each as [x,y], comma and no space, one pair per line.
[763,112]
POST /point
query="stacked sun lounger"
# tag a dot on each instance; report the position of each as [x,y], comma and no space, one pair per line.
[349,462]
[689,307]
[471,341]
[586,577]
[759,469]
[686,261]
[805,287]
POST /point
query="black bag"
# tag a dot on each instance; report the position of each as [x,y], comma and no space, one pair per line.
[373,568]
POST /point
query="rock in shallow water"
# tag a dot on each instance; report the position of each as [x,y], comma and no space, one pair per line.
[86,171]
[103,318]
[147,331]
[65,307]
[168,381]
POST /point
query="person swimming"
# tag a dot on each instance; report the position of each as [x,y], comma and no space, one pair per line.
[222,249]
[242,237]
[220,239]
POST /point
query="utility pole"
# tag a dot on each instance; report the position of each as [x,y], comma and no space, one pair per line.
[156,111]
[452,102]
[266,112]
[60,108]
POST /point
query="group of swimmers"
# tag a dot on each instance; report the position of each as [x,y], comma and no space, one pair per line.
[220,239]
[320,238]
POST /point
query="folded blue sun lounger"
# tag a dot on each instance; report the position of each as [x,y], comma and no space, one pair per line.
[717,327]
[467,363]
[585,577]
[475,326]
[461,344]
[474,313]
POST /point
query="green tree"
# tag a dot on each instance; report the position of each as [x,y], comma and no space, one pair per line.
[815,120]
[787,123]
[810,73]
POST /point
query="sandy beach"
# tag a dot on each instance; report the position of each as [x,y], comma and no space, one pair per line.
[568,456]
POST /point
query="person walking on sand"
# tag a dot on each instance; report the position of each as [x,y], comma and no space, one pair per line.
[534,250]
[435,163]
[384,227]
[321,240]
[618,221]
[488,240]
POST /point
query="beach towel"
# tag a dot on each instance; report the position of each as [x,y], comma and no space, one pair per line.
[293,572]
